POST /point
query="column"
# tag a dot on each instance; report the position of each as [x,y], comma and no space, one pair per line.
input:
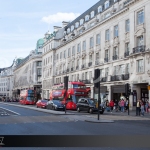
[92,92]
[109,92]
[131,98]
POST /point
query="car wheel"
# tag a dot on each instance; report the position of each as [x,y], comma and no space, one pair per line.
[90,111]
[78,109]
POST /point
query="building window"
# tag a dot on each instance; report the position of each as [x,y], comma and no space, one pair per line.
[87,18]
[81,21]
[90,74]
[127,25]
[98,39]
[140,66]
[72,28]
[92,14]
[122,69]
[91,42]
[68,30]
[102,73]
[106,53]
[77,24]
[57,56]
[97,56]
[140,17]
[99,9]
[106,4]
[73,50]
[69,52]
[39,63]
[64,54]
[127,68]
[82,76]
[106,72]
[127,47]
[60,55]
[115,51]
[107,35]
[84,45]
[140,40]
[116,31]
[79,48]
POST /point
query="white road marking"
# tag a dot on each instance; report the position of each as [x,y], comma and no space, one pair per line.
[10,110]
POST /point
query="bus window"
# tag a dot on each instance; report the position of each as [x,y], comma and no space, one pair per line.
[76,86]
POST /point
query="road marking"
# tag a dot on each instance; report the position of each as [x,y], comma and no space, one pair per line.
[10,110]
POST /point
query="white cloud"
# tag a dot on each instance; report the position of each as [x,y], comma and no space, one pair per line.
[59,17]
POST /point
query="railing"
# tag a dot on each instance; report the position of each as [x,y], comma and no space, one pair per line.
[83,66]
[90,64]
[139,49]
[126,53]
[106,59]
[104,79]
[115,57]
[120,77]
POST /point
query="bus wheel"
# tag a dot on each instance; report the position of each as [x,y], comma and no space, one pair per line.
[78,109]
[90,111]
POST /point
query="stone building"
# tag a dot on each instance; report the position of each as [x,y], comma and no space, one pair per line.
[112,35]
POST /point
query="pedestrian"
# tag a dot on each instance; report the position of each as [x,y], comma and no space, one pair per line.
[142,108]
[146,106]
[116,105]
[111,104]
[127,105]
[107,106]
[122,105]
[138,108]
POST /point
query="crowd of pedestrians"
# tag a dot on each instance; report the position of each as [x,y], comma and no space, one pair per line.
[123,105]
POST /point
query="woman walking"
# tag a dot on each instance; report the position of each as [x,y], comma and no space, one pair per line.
[142,107]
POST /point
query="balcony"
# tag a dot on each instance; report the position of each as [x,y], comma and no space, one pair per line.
[103,79]
[86,81]
[77,67]
[139,49]
[90,64]
[115,57]
[120,77]
[126,53]
[106,59]
[72,69]
[126,2]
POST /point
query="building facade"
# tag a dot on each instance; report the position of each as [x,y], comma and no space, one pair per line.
[113,35]
[6,82]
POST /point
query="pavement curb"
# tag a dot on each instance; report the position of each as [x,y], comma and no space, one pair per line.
[99,121]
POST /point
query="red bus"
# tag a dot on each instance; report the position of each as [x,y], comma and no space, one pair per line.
[75,91]
[27,97]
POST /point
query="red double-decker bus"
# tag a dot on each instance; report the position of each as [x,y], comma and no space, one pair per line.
[27,97]
[75,91]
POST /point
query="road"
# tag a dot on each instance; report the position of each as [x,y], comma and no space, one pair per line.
[23,121]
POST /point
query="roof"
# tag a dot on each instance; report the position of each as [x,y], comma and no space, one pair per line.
[87,12]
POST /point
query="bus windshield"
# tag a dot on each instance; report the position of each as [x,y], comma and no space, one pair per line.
[76,86]
[30,98]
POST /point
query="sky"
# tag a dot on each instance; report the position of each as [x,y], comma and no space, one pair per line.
[23,22]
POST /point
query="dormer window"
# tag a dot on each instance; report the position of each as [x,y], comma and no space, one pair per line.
[87,18]
[68,30]
[99,9]
[81,21]
[92,14]
[106,4]
[72,28]
[77,24]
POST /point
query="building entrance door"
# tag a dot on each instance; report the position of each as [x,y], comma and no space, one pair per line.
[144,94]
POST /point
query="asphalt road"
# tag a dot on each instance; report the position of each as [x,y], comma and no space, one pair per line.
[23,121]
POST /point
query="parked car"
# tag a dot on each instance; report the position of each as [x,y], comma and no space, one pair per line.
[55,105]
[41,103]
[89,105]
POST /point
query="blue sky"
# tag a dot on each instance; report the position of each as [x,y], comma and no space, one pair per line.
[23,22]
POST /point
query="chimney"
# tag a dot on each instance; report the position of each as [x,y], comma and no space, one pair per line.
[64,23]
[56,28]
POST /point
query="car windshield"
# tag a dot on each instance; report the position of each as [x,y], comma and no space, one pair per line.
[56,102]
[91,101]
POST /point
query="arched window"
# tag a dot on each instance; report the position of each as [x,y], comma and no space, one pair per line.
[81,21]
[106,4]
[72,27]
[87,18]
[92,14]
[77,24]
[99,9]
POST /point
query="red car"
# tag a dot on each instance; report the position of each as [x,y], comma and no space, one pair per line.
[41,103]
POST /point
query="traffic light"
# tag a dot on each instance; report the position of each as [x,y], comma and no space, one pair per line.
[127,90]
[66,82]
[97,78]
